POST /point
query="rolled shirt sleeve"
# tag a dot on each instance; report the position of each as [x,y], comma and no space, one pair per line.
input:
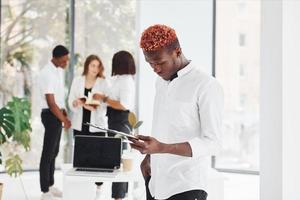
[210,106]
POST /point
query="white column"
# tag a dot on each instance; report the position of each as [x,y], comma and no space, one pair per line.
[280,101]
[271,101]
[291,100]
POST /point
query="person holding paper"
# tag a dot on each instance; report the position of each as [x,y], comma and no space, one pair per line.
[84,108]
[186,126]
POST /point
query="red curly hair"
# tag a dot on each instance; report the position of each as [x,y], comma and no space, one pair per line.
[157,37]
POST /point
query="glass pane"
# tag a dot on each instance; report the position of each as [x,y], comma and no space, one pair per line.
[238,70]
[103,28]
[29,31]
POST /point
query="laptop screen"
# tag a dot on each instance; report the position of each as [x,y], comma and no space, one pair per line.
[97,152]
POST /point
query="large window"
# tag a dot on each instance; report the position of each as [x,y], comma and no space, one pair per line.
[103,28]
[29,31]
[238,70]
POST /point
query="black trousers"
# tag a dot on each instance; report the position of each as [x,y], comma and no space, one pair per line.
[53,129]
[188,195]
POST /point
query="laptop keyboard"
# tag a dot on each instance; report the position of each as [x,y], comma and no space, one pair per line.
[94,170]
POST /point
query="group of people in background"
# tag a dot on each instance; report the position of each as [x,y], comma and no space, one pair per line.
[115,95]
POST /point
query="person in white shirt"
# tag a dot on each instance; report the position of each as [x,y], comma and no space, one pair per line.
[120,101]
[186,127]
[54,117]
[86,109]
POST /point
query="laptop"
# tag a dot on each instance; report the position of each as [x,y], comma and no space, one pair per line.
[96,155]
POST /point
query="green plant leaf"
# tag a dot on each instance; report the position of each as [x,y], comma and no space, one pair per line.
[15,126]
[138,124]
[22,114]
[6,124]
[13,166]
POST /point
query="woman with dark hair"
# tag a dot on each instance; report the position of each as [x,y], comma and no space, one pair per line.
[120,101]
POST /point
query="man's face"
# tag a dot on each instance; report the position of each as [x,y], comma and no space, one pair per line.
[63,61]
[164,63]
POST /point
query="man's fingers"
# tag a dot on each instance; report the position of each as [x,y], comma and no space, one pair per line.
[140,147]
[138,143]
[143,137]
[132,139]
[134,146]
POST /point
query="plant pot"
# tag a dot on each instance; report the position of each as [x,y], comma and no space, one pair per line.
[1,190]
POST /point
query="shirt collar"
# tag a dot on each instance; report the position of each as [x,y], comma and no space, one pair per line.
[182,71]
[53,67]
[173,76]
[185,70]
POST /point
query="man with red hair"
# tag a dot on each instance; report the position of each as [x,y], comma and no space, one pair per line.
[186,125]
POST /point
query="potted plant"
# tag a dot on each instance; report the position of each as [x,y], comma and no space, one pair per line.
[14,134]
[134,123]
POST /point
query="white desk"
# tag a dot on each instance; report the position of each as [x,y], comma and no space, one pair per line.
[83,187]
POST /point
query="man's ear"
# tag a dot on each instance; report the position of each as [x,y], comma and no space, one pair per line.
[178,51]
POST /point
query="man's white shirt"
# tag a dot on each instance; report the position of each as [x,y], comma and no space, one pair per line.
[51,81]
[186,109]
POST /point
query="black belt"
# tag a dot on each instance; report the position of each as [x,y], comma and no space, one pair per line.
[47,110]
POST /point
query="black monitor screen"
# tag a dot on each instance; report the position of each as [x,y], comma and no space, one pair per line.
[97,152]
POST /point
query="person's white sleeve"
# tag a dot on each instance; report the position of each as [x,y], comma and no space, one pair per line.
[47,84]
[101,87]
[72,95]
[127,93]
[210,105]
[107,87]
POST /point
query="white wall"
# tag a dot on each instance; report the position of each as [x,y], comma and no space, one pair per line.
[291,100]
[192,21]
[280,107]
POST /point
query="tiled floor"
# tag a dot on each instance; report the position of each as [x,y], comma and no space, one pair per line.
[237,187]
[13,187]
